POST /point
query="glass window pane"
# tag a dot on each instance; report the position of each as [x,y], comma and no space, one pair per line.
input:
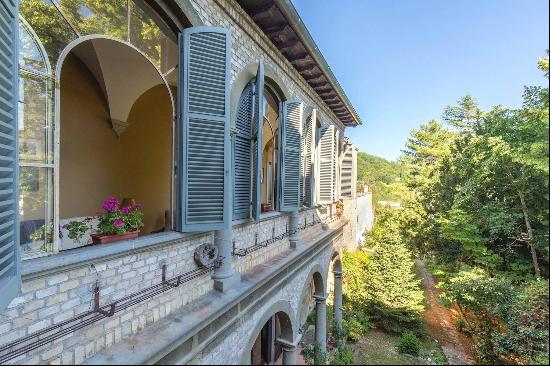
[35,220]
[150,35]
[30,55]
[108,17]
[34,125]
[51,28]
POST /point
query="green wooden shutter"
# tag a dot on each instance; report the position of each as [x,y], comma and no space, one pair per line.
[291,139]
[326,164]
[257,124]
[308,149]
[10,273]
[242,155]
[205,166]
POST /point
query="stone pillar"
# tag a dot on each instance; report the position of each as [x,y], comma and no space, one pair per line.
[337,306]
[320,326]
[224,277]
[289,354]
[293,225]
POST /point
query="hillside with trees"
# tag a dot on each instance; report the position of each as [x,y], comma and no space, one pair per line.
[380,175]
[475,214]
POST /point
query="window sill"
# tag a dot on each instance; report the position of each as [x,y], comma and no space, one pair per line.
[74,258]
[263,217]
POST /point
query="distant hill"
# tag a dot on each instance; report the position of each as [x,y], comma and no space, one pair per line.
[379,174]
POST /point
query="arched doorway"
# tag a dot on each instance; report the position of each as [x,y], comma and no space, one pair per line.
[115,133]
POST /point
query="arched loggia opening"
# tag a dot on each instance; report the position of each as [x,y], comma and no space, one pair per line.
[272,338]
[314,296]
[115,126]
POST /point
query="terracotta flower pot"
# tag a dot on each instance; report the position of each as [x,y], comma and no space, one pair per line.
[104,239]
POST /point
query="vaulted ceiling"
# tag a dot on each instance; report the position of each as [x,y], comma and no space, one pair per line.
[279,20]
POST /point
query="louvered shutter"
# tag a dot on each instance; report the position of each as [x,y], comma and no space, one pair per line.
[308,148]
[242,155]
[326,165]
[204,119]
[291,139]
[346,173]
[257,123]
[10,274]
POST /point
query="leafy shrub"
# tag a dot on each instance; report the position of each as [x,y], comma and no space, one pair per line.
[409,343]
[342,356]
[438,358]
[353,329]
[510,319]
[308,353]
[355,325]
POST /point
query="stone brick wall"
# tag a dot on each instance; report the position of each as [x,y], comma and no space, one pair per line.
[228,348]
[57,297]
[54,298]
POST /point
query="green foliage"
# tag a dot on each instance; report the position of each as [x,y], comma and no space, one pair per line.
[342,355]
[438,357]
[77,229]
[409,343]
[355,325]
[384,284]
[308,353]
[475,203]
[380,175]
[113,220]
[509,319]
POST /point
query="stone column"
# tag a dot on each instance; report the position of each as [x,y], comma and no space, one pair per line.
[293,225]
[337,306]
[320,326]
[289,354]
[224,277]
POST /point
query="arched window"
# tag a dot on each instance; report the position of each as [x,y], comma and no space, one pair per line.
[35,144]
[270,152]
[47,28]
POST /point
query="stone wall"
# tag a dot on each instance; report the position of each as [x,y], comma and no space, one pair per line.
[365,215]
[233,346]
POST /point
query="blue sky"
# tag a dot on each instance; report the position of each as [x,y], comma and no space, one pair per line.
[402,61]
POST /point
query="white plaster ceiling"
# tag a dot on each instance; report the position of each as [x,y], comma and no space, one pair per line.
[123,74]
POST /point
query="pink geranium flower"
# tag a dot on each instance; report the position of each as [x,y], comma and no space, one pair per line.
[118,223]
[111,204]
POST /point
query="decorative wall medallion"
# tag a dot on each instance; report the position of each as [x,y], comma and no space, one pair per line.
[206,255]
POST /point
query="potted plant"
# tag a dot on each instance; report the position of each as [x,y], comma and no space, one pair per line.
[339,208]
[114,223]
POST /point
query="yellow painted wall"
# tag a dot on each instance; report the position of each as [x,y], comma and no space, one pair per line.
[95,164]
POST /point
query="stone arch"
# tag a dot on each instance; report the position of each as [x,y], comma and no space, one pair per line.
[248,73]
[283,310]
[317,278]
